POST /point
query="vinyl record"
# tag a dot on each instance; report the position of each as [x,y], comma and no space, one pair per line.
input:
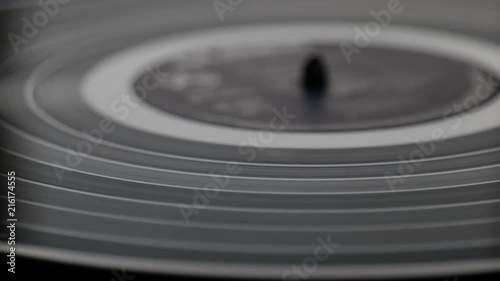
[262,139]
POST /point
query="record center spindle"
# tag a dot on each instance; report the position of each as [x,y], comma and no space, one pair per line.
[314,77]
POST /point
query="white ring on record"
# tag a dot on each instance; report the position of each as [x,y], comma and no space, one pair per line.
[113,78]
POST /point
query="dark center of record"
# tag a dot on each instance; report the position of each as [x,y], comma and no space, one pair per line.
[240,87]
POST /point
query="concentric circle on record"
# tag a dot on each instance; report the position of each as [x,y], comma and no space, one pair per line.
[125,66]
[105,178]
